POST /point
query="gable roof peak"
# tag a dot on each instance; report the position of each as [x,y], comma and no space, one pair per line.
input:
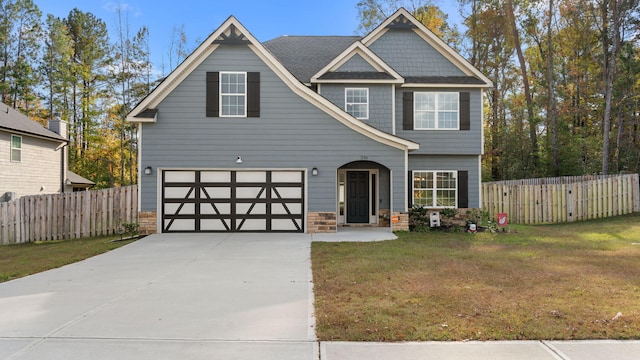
[385,72]
[404,20]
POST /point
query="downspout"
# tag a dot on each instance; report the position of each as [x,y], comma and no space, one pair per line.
[62,174]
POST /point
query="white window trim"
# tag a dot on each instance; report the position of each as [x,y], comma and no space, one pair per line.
[415,127]
[435,188]
[346,90]
[18,149]
[220,94]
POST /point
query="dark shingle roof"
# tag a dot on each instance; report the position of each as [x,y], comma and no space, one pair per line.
[356,75]
[13,120]
[457,80]
[304,56]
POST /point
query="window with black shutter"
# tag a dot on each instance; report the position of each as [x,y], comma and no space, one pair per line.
[233,94]
[436,111]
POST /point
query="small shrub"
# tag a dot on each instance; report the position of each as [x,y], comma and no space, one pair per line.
[479,217]
[419,219]
[131,229]
[447,216]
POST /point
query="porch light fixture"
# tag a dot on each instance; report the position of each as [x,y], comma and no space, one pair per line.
[314,171]
[147,170]
[239,160]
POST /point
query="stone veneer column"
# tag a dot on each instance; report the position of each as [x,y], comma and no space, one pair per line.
[148,223]
[403,222]
[321,222]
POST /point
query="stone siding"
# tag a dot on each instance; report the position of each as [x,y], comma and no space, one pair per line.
[403,222]
[148,222]
[321,222]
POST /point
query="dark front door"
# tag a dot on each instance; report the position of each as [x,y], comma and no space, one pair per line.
[357,197]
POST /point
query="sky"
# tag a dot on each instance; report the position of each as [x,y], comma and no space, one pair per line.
[265,19]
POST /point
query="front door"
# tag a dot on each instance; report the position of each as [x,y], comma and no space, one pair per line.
[358,197]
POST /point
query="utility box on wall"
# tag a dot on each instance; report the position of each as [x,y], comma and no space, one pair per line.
[434,219]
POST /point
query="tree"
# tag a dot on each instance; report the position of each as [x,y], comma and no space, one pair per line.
[20,32]
[130,81]
[177,51]
[55,67]
[525,81]
[90,48]
[616,16]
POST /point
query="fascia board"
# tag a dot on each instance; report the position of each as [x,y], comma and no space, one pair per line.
[443,85]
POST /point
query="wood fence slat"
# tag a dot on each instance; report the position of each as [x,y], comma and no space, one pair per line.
[562,199]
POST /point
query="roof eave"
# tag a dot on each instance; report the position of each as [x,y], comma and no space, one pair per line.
[445,85]
[357,81]
[27,133]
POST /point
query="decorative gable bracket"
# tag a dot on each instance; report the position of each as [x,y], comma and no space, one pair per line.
[232,38]
[401,22]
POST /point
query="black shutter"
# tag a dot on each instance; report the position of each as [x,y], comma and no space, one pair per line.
[213,99]
[407,110]
[253,94]
[410,189]
[465,111]
[463,189]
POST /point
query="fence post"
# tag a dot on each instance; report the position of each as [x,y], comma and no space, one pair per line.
[636,192]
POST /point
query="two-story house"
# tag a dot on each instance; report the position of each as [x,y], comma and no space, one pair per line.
[308,134]
[33,159]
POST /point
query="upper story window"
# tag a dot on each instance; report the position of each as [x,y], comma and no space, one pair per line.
[436,111]
[16,148]
[357,102]
[233,94]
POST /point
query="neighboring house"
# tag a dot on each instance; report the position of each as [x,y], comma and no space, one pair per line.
[32,157]
[307,134]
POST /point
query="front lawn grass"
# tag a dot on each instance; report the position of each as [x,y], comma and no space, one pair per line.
[565,281]
[25,259]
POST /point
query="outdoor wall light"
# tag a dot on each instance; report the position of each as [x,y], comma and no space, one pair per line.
[239,160]
[147,170]
[314,171]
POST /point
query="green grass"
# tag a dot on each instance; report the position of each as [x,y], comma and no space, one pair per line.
[563,281]
[25,259]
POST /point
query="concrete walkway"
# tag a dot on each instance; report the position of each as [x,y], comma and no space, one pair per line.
[222,296]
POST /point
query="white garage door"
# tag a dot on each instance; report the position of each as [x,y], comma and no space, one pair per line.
[225,200]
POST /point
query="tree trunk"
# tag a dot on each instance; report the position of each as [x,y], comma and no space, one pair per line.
[525,81]
[609,36]
[551,112]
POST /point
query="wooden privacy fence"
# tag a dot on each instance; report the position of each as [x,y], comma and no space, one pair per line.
[67,215]
[562,199]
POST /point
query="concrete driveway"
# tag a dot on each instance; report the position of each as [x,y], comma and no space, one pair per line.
[195,296]
[223,296]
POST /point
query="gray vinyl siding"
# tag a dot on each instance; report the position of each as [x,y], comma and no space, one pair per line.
[290,133]
[356,63]
[380,104]
[37,173]
[408,54]
[445,142]
[460,163]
